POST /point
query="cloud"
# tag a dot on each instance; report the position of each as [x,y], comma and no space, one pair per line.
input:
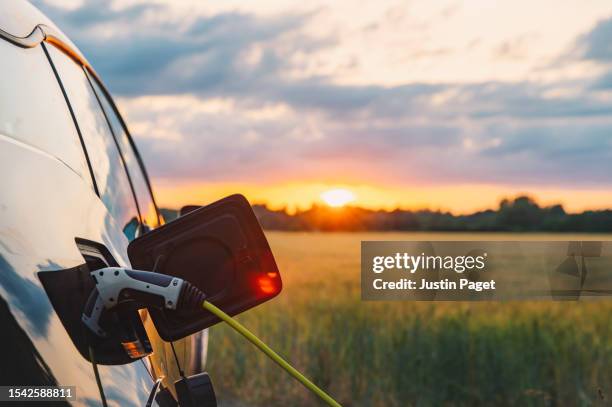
[596,45]
[216,97]
[423,147]
[604,82]
[207,55]
[139,52]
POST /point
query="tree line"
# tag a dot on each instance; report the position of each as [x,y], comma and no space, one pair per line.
[521,214]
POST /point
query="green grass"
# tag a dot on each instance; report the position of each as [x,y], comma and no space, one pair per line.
[408,353]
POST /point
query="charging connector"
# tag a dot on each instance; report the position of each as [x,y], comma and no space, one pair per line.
[116,286]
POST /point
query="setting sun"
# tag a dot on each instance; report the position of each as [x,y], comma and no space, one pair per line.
[337,197]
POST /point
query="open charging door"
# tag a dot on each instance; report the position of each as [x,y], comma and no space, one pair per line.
[222,250]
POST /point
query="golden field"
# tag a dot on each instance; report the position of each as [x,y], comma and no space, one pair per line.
[409,353]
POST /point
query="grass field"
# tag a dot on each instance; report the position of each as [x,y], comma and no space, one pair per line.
[409,353]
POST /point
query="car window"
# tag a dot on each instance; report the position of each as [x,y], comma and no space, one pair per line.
[109,173]
[141,188]
[33,109]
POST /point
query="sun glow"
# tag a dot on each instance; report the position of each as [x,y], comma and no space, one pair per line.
[337,197]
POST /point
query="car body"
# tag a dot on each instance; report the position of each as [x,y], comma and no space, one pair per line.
[70,175]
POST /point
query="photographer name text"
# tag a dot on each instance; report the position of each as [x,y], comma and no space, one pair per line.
[423,284]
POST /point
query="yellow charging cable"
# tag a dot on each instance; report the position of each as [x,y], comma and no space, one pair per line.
[271,354]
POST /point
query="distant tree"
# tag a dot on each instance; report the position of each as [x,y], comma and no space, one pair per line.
[522,214]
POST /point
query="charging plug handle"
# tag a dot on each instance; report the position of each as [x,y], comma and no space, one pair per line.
[146,289]
[117,285]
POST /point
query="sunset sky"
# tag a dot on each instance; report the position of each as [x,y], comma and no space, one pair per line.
[441,104]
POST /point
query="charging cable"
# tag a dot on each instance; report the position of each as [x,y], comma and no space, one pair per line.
[250,336]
